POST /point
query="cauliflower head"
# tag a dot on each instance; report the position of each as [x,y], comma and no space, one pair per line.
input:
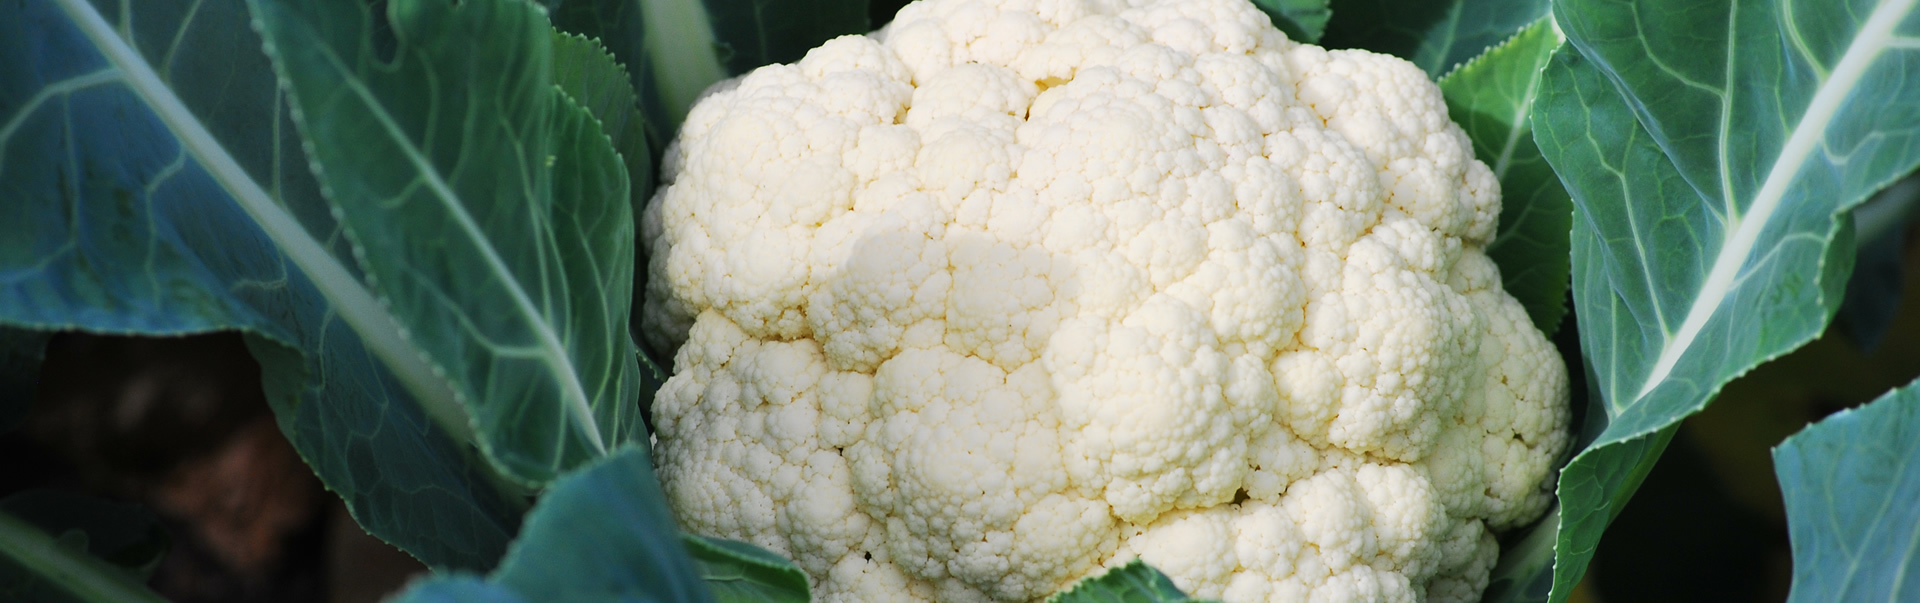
[1011,291]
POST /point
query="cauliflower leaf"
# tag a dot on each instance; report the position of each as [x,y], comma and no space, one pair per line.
[1134,582]
[501,244]
[1711,183]
[1849,482]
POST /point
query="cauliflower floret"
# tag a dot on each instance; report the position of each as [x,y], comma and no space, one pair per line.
[1012,291]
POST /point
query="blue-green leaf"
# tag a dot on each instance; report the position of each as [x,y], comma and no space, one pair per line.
[1850,483]
[488,210]
[605,530]
[1135,582]
[603,533]
[743,573]
[460,588]
[1490,98]
[1437,35]
[1302,20]
[151,183]
[1712,151]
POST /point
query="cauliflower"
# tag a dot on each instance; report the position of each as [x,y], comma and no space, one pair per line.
[1011,291]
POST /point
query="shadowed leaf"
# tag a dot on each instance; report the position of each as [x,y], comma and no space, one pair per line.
[151,182]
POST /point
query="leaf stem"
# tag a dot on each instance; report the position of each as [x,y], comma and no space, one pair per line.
[81,575]
[679,52]
[1828,100]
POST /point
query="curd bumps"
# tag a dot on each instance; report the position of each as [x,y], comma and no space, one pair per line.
[1011,291]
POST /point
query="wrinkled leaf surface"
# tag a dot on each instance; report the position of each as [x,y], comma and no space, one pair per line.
[1711,151]
[151,183]
[488,210]
[1850,483]
[743,573]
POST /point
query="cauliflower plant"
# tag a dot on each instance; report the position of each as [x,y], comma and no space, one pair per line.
[1011,291]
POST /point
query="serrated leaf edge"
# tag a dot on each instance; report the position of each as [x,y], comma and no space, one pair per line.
[357,306]
[1807,135]
[1558,35]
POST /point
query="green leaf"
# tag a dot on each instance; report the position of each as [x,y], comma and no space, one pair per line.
[57,546]
[677,48]
[603,533]
[1135,582]
[588,73]
[1302,20]
[1437,35]
[489,212]
[1710,161]
[1490,98]
[628,548]
[1850,483]
[737,571]
[152,183]
[1525,569]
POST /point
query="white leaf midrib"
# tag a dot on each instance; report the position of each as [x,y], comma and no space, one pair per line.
[351,300]
[553,352]
[677,36]
[1721,279]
